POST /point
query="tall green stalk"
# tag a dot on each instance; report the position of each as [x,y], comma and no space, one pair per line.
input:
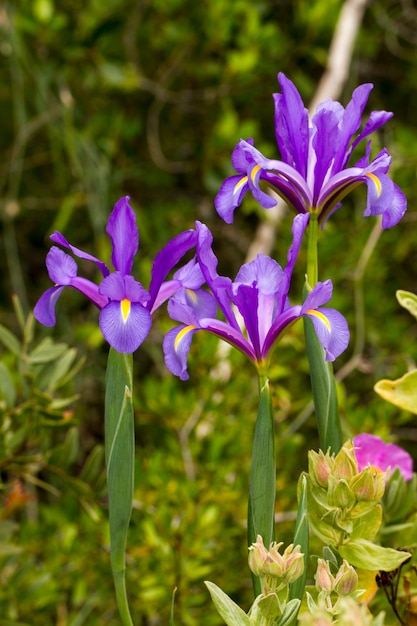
[323,382]
[120,454]
[262,488]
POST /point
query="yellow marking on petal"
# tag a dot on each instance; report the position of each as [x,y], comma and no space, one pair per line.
[321,317]
[376,181]
[192,295]
[254,172]
[181,334]
[125,309]
[240,184]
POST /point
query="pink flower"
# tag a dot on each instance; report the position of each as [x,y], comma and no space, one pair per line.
[371,450]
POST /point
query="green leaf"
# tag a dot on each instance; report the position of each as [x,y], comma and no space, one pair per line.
[324,392]
[408,300]
[9,340]
[171,618]
[301,538]
[290,613]
[7,388]
[401,392]
[119,454]
[262,488]
[367,555]
[232,614]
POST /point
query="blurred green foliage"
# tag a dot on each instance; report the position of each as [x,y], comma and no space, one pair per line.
[104,99]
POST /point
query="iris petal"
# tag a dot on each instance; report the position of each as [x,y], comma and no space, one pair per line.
[44,310]
[125,335]
[123,232]
[176,346]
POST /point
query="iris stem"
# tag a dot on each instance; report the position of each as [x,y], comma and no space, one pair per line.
[323,382]
[262,488]
[312,251]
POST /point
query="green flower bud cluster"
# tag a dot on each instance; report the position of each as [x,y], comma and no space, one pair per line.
[347,612]
[275,570]
[344,504]
[336,602]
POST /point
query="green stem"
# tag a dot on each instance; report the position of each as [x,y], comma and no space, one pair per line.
[312,252]
[323,382]
[262,488]
[120,456]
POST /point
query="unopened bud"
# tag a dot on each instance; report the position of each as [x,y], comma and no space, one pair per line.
[324,578]
[345,463]
[319,467]
[346,579]
[369,485]
[258,554]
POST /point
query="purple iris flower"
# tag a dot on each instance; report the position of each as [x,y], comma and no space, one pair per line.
[259,296]
[371,450]
[125,306]
[313,173]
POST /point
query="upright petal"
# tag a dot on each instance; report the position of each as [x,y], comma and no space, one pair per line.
[61,267]
[351,123]
[291,125]
[220,285]
[124,235]
[117,286]
[166,260]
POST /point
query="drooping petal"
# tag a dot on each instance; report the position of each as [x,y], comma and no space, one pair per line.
[176,346]
[125,325]
[331,329]
[264,199]
[230,196]
[372,450]
[44,310]
[291,125]
[62,241]
[124,235]
[386,198]
[165,261]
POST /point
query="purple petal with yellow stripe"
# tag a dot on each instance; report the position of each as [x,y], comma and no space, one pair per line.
[313,173]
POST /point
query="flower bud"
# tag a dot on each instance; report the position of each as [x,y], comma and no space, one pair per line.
[323,577]
[369,485]
[346,579]
[258,554]
[319,467]
[345,463]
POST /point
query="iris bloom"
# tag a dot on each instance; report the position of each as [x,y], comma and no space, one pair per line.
[313,173]
[125,305]
[371,450]
[260,295]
